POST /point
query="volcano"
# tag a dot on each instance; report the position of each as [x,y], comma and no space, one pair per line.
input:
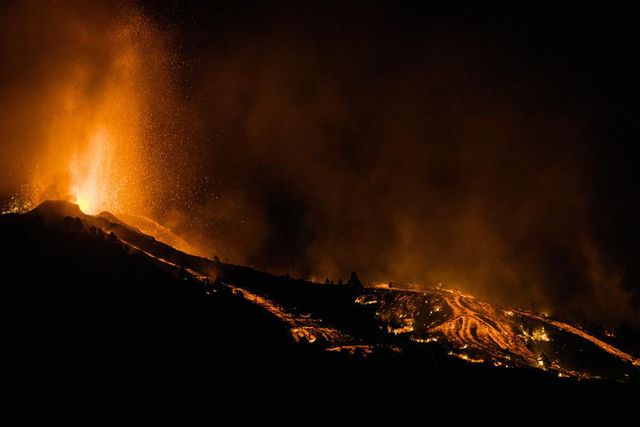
[92,284]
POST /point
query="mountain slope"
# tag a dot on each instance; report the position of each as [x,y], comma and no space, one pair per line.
[74,282]
[66,280]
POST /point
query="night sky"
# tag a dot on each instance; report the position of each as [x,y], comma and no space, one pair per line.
[487,146]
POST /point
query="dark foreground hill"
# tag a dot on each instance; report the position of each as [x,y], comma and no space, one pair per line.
[89,294]
[68,286]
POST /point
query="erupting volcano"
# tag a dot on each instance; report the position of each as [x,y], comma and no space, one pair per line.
[89,175]
[354,321]
[389,188]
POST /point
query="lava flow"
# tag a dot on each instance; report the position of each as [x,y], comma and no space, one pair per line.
[303,328]
[278,160]
[479,332]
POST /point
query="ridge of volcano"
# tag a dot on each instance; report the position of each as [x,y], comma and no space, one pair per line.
[99,277]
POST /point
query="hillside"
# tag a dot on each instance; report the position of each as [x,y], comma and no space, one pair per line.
[76,284]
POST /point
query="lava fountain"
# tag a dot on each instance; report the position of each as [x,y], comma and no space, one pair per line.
[105,112]
[90,172]
[102,119]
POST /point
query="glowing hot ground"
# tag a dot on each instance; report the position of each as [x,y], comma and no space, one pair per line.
[444,325]
[480,332]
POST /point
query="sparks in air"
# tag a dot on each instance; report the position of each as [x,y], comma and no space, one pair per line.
[98,144]
[90,174]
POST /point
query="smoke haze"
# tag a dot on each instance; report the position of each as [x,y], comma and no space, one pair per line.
[407,145]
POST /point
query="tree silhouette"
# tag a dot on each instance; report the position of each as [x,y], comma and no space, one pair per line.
[354,280]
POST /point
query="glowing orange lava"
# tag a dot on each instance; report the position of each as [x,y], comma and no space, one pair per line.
[96,153]
[90,174]
[479,332]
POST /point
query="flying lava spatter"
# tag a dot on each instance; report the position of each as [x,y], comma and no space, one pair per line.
[98,139]
[89,174]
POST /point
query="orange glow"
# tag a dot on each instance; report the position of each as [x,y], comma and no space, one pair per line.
[485,333]
[109,113]
[98,140]
[90,174]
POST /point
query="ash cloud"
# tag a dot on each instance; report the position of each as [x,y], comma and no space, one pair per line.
[408,145]
[410,151]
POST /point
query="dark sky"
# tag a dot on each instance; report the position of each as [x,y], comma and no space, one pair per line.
[487,146]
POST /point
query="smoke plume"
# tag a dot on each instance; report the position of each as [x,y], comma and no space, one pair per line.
[318,141]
